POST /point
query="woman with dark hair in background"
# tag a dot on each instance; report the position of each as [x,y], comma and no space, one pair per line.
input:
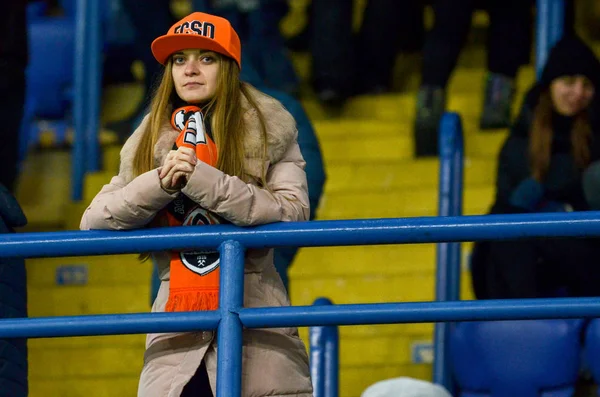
[548,163]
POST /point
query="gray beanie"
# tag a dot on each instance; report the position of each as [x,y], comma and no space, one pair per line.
[405,387]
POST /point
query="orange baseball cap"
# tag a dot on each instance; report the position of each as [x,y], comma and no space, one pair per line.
[202,31]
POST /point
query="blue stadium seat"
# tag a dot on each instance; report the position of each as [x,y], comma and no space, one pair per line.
[50,76]
[36,9]
[592,349]
[530,358]
[69,7]
[50,73]
[51,61]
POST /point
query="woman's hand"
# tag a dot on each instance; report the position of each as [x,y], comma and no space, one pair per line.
[176,169]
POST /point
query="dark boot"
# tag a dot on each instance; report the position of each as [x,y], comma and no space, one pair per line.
[431,105]
[499,92]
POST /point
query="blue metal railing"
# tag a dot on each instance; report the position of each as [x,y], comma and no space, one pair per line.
[79,101]
[550,20]
[231,241]
[448,254]
[229,335]
[324,357]
[94,78]
[87,93]
[305,234]
[549,28]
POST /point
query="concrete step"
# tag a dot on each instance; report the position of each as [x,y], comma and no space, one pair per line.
[400,259]
[355,380]
[373,288]
[398,148]
[98,271]
[396,107]
[398,175]
[368,128]
[365,260]
[79,300]
[82,342]
[465,95]
[85,386]
[43,189]
[398,203]
[104,362]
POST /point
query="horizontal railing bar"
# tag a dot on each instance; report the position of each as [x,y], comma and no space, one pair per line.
[108,324]
[303,316]
[304,234]
[419,312]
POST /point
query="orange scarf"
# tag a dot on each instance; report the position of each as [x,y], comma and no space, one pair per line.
[194,274]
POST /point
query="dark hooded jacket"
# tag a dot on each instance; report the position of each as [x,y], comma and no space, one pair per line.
[13,303]
[13,42]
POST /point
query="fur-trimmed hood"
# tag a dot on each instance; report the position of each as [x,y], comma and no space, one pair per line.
[280,125]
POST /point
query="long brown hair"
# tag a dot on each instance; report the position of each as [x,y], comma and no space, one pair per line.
[541,135]
[227,120]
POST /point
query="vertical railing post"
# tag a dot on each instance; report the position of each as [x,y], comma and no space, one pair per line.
[87,91]
[550,15]
[558,21]
[332,361]
[229,333]
[324,357]
[448,255]
[92,129]
[317,360]
[80,97]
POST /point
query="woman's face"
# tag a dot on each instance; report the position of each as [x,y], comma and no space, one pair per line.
[195,75]
[571,94]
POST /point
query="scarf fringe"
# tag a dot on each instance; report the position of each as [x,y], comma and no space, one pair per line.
[190,301]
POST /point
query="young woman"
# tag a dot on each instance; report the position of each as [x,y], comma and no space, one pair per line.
[544,166]
[212,150]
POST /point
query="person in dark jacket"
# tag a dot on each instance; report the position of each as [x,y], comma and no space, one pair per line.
[338,67]
[13,61]
[548,163]
[13,303]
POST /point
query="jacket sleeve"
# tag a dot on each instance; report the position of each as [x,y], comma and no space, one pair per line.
[244,204]
[513,160]
[513,169]
[127,202]
[121,206]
